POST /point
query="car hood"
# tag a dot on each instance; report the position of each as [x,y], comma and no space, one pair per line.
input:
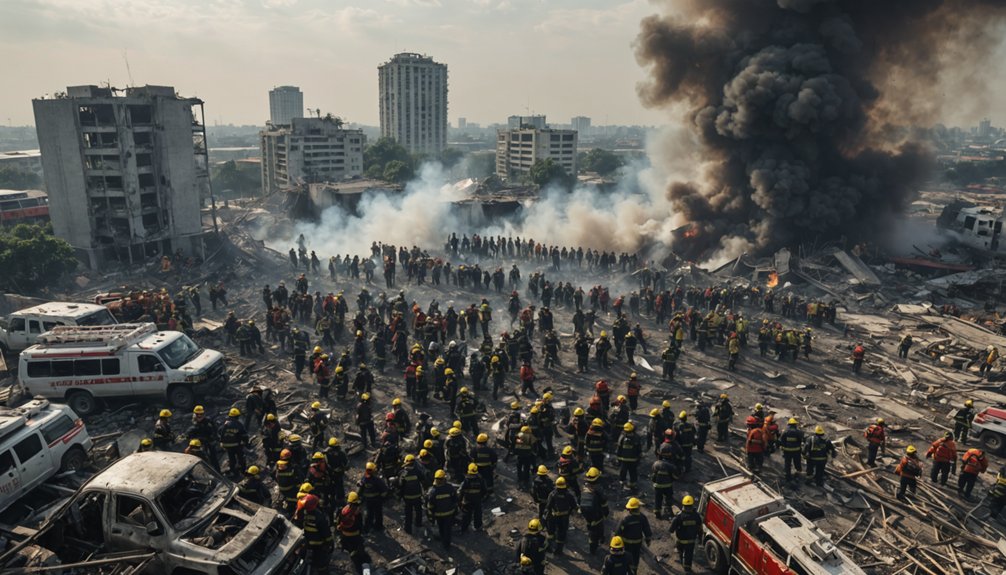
[257,525]
[202,361]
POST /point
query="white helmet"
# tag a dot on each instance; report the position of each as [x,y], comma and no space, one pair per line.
[453,344]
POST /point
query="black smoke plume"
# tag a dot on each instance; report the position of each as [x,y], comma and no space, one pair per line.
[796,104]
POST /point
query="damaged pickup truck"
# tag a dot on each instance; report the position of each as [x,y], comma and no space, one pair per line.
[173,512]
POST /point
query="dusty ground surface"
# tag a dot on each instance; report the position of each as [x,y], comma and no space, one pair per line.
[821,390]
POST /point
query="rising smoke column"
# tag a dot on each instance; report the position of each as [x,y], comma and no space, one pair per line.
[798,106]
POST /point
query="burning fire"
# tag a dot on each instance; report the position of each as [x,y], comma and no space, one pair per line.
[691,232]
[773,280]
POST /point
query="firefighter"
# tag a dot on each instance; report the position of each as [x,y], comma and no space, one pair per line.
[876,437]
[560,504]
[601,349]
[723,411]
[594,508]
[669,361]
[534,544]
[203,429]
[456,453]
[322,376]
[973,463]
[252,488]
[485,458]
[634,529]
[582,348]
[904,345]
[317,532]
[943,452]
[547,421]
[301,343]
[524,449]
[997,494]
[754,445]
[297,455]
[858,355]
[541,488]
[195,448]
[962,421]
[655,430]
[632,388]
[704,419]
[616,562]
[233,439]
[466,412]
[319,477]
[287,482]
[442,506]
[337,462]
[663,475]
[991,356]
[686,527]
[629,450]
[791,444]
[373,490]
[163,435]
[410,490]
[350,534]
[685,432]
[817,449]
[569,467]
[146,444]
[365,420]
[472,493]
[317,424]
[734,349]
[595,442]
[910,469]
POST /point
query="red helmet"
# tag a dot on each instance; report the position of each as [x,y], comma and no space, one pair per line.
[285,454]
[752,421]
[389,417]
[308,502]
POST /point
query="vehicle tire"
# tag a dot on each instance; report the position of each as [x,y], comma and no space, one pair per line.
[181,397]
[82,403]
[716,556]
[73,460]
[993,442]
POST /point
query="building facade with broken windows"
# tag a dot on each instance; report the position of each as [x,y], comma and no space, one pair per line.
[126,171]
[310,150]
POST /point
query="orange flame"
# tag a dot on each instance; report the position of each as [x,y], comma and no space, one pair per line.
[691,232]
[773,280]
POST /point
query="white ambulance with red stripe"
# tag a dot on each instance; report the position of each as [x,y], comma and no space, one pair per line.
[83,365]
[38,440]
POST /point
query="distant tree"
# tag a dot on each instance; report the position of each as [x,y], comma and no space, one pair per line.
[397,171]
[32,258]
[603,162]
[383,151]
[229,176]
[547,172]
[451,157]
[11,179]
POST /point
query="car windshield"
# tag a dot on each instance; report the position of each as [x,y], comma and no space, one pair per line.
[195,496]
[179,352]
[100,317]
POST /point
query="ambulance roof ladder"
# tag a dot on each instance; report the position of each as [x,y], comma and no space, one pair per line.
[115,336]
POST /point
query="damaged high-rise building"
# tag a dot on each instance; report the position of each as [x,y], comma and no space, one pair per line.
[126,171]
[412,91]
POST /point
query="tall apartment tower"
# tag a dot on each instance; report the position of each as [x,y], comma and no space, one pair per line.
[413,100]
[125,172]
[285,104]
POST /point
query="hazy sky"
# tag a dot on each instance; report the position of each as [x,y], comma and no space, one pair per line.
[557,57]
[564,57]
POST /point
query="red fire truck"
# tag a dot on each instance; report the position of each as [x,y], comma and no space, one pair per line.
[751,530]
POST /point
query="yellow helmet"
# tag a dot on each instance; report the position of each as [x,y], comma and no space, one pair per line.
[542,470]
[568,450]
[473,469]
[146,442]
[409,458]
[793,421]
[434,432]
[482,438]
[324,356]
[428,444]
[654,412]
[604,333]
[578,411]
[339,369]
[234,412]
[759,406]
[463,390]
[165,413]
[371,466]
[317,349]
[423,453]
[880,421]
[294,438]
[593,473]
[440,474]
[524,560]
[306,488]
[621,398]
[317,456]
[688,500]
[969,403]
[515,405]
[819,430]
[198,410]
[333,441]
[359,333]
[253,470]
[316,405]
[396,401]
[195,443]
[632,503]
[724,396]
[353,497]
[547,396]
[454,432]
[683,415]
[419,370]
[665,404]
[617,543]
[598,422]
[449,371]
[534,526]
[560,483]
[910,449]
[365,396]
[525,429]
[535,409]
[456,424]
[270,417]
[628,427]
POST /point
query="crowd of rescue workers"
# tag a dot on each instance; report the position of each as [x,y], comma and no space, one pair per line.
[559,455]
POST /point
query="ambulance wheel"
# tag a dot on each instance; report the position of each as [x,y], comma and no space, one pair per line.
[181,397]
[716,556]
[992,441]
[82,403]
[73,460]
